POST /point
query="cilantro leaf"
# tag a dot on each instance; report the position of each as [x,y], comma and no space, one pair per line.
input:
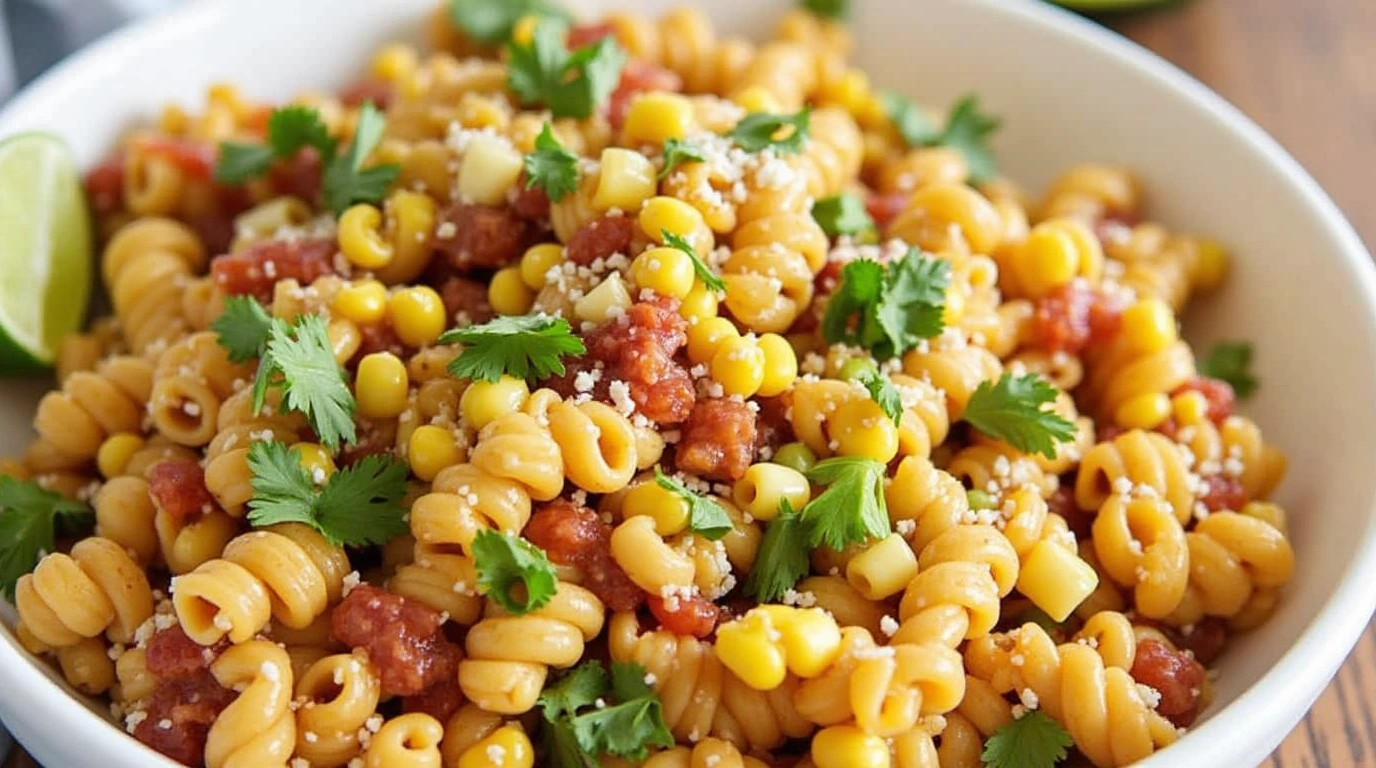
[290,129]
[561,746]
[29,521]
[783,557]
[758,131]
[1231,362]
[838,10]
[583,685]
[1016,410]
[883,392]
[238,162]
[700,268]
[628,681]
[502,559]
[888,311]
[916,128]
[843,214]
[705,516]
[358,506]
[551,167]
[526,347]
[676,153]
[852,508]
[627,729]
[299,359]
[570,84]
[1031,741]
[243,328]
[346,181]
[492,21]
[967,131]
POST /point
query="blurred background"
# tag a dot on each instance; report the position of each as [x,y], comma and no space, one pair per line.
[1305,70]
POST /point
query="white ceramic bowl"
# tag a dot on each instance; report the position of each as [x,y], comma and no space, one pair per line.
[1304,289]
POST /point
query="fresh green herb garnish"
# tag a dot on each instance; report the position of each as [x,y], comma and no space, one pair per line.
[759,131]
[243,328]
[843,214]
[30,519]
[570,84]
[888,311]
[676,153]
[551,167]
[1016,410]
[346,181]
[705,516]
[838,10]
[627,728]
[1031,741]
[492,21]
[782,559]
[883,392]
[526,347]
[1231,362]
[357,506]
[967,131]
[502,560]
[700,268]
[852,508]
[298,358]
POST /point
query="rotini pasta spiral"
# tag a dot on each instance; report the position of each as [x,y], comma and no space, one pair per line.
[96,589]
[74,421]
[1136,459]
[340,693]
[146,266]
[257,728]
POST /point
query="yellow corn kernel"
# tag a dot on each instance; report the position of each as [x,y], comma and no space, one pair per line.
[707,335]
[1055,579]
[738,366]
[1190,408]
[745,648]
[359,238]
[810,638]
[666,271]
[523,31]
[860,428]
[668,213]
[1047,260]
[484,401]
[508,293]
[627,180]
[417,315]
[1211,265]
[316,460]
[394,61]
[538,261]
[381,385]
[1149,326]
[765,485]
[430,449]
[757,98]
[364,302]
[700,303]
[780,364]
[506,747]
[851,91]
[668,509]
[657,116]
[1145,411]
[883,569]
[114,453]
[846,746]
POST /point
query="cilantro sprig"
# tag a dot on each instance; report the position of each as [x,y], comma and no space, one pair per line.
[676,153]
[785,134]
[551,166]
[30,520]
[852,508]
[837,10]
[293,128]
[1231,362]
[888,311]
[843,214]
[570,84]
[358,506]
[700,268]
[1031,741]
[782,559]
[1016,410]
[577,731]
[706,517]
[526,347]
[883,392]
[298,358]
[492,21]
[967,131]
[504,560]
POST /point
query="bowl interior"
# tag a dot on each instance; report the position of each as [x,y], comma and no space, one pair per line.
[1302,289]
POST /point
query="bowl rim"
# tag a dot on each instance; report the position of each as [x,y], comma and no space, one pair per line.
[1301,673]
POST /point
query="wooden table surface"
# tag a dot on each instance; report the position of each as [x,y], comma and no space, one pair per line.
[1306,71]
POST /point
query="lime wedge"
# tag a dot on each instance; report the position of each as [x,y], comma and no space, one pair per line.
[45,250]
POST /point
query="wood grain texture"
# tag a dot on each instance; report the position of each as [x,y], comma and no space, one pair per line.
[1305,70]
